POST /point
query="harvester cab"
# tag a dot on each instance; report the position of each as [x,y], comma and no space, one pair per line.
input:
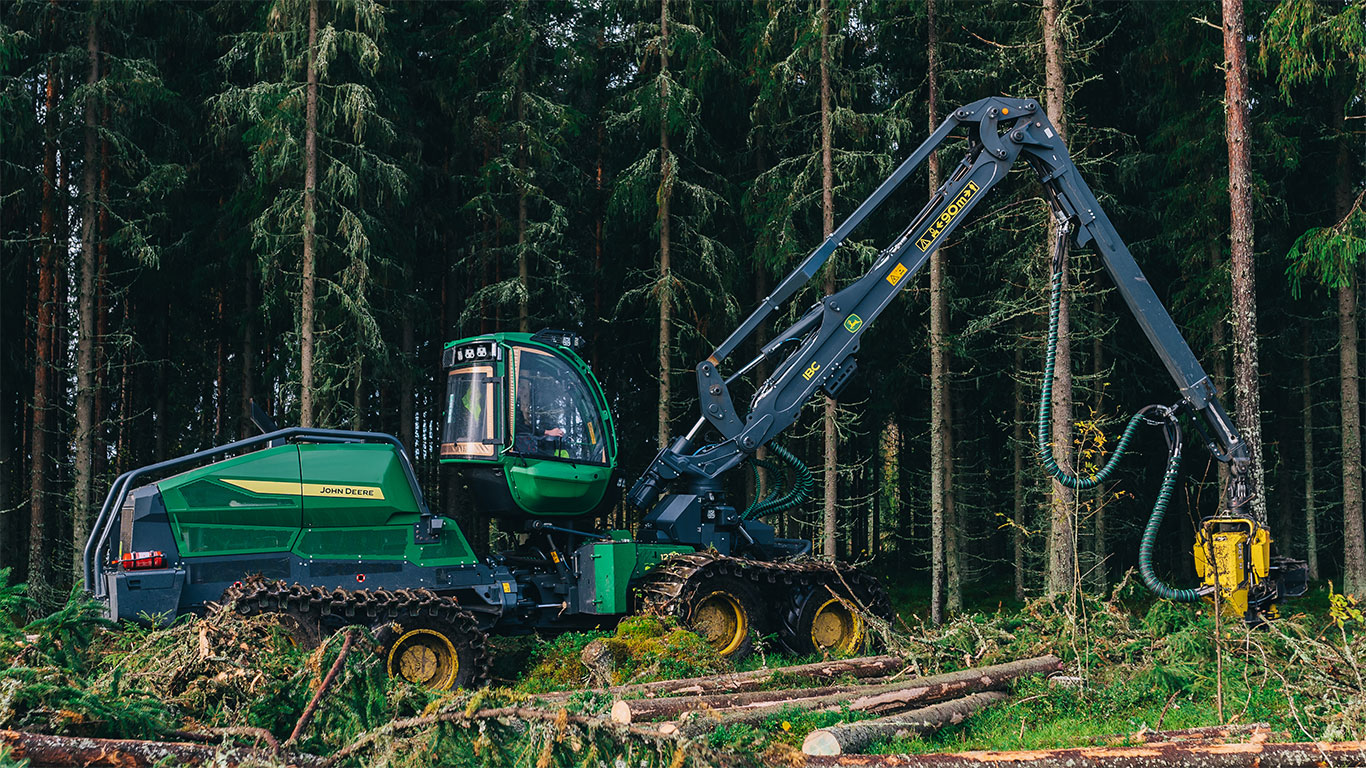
[527,426]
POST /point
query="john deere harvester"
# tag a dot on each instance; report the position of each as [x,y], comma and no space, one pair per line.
[330,528]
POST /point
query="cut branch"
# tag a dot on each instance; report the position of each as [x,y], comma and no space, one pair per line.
[41,749]
[855,737]
[862,668]
[1146,756]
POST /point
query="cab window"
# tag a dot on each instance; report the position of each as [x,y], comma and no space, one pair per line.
[471,427]
[554,414]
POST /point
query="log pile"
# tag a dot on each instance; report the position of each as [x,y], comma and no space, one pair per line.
[908,706]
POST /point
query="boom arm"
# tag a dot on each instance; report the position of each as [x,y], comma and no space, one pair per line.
[1001,131]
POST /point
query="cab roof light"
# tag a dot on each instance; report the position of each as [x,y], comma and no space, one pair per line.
[566,339]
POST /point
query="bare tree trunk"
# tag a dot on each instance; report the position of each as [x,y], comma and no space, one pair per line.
[42,362]
[1248,403]
[1311,533]
[1353,535]
[220,406]
[1099,551]
[665,288]
[830,518]
[306,301]
[248,353]
[945,585]
[102,312]
[86,340]
[1218,339]
[407,412]
[1062,554]
[523,265]
[1017,452]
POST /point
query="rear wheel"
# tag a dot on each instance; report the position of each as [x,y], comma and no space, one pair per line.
[726,612]
[436,654]
[829,624]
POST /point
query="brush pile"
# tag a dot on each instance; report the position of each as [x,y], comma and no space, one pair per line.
[228,690]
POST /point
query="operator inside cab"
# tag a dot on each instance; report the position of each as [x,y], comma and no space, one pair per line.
[554,418]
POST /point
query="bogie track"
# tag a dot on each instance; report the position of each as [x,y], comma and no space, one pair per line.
[426,638]
[790,599]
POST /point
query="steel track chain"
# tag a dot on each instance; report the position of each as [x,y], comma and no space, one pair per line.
[317,606]
[670,586]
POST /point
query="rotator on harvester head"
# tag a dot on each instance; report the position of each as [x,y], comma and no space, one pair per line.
[331,528]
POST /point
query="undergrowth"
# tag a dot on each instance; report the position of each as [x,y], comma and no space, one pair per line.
[1135,663]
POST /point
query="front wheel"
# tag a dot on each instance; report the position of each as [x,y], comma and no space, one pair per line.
[828,623]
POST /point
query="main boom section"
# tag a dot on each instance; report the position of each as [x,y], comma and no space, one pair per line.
[1000,132]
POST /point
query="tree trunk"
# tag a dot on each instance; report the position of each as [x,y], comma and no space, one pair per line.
[41,749]
[1142,756]
[665,288]
[407,411]
[248,354]
[1062,551]
[939,357]
[1017,452]
[42,362]
[1311,533]
[306,300]
[891,697]
[953,556]
[1353,535]
[523,262]
[86,340]
[863,667]
[1248,402]
[852,738]
[830,516]
[102,312]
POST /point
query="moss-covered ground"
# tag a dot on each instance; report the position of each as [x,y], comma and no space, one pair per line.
[1139,663]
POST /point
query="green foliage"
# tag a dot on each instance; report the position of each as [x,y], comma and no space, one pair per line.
[642,649]
[1330,255]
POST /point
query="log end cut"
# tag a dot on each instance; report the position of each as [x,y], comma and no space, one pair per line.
[621,712]
[821,743]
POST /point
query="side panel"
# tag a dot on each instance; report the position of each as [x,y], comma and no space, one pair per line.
[606,570]
[357,504]
[240,505]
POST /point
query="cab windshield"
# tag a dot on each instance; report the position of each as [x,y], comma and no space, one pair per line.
[472,428]
[554,415]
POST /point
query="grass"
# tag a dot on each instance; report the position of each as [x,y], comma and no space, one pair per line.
[1144,664]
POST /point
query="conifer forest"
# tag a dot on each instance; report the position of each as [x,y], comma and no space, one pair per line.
[293,206]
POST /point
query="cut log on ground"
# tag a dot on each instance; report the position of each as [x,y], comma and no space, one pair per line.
[862,668]
[889,697]
[852,738]
[1294,755]
[41,749]
[1257,732]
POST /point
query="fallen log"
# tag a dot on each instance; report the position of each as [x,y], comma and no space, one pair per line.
[42,749]
[861,668]
[1206,733]
[1164,755]
[888,697]
[851,738]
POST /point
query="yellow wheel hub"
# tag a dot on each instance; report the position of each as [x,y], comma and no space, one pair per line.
[721,620]
[425,657]
[835,628]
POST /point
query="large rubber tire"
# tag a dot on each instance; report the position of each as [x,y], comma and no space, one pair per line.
[727,613]
[436,654]
[828,624]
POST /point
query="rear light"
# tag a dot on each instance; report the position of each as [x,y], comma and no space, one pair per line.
[136,561]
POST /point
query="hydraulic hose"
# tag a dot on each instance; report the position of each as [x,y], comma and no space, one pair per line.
[798,493]
[1171,429]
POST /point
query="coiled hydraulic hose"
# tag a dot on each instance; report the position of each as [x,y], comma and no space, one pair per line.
[1167,420]
[802,482]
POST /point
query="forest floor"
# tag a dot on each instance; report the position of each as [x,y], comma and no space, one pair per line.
[1141,665]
